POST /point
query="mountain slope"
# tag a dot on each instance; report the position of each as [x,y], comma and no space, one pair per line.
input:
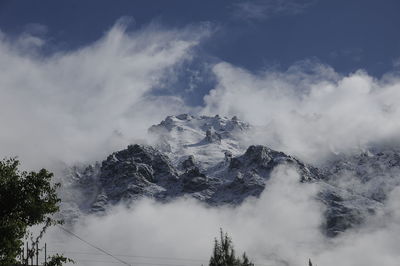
[202,157]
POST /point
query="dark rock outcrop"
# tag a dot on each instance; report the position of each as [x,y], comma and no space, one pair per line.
[225,174]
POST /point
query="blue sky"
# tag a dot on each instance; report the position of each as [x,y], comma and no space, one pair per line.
[78,81]
[345,34]
[77,85]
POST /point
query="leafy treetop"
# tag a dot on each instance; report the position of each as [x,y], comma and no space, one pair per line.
[26,199]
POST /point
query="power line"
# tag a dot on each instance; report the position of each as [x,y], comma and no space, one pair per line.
[149,263]
[146,257]
[137,256]
[134,256]
[93,246]
[138,263]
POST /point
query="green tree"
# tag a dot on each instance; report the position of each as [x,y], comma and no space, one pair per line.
[224,253]
[58,260]
[26,199]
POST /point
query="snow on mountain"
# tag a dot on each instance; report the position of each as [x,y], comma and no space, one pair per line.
[373,173]
[202,157]
[208,139]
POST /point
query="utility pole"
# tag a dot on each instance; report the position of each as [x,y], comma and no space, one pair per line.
[37,253]
[45,254]
[22,254]
[27,253]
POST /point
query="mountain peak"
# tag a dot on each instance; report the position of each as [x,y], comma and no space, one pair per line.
[207,138]
[202,123]
[202,157]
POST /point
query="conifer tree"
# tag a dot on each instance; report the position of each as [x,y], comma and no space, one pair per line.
[224,253]
[246,261]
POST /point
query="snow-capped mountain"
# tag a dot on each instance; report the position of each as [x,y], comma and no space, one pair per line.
[202,157]
[209,139]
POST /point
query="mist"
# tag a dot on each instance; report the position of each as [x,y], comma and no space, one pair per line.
[310,110]
[282,227]
[185,228]
[78,106]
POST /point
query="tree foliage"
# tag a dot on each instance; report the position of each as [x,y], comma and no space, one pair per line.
[58,260]
[26,199]
[224,253]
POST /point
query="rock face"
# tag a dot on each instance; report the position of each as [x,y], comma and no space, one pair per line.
[372,174]
[201,157]
[142,171]
[138,171]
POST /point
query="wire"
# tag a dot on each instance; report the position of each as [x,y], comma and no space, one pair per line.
[146,257]
[90,244]
[137,256]
[134,256]
[138,263]
[149,263]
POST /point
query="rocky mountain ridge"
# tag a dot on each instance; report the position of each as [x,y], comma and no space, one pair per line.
[202,157]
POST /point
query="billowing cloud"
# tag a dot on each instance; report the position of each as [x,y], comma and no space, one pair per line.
[280,228]
[371,244]
[182,232]
[79,105]
[73,106]
[310,110]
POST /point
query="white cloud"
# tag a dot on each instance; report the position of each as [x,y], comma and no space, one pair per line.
[372,244]
[79,105]
[186,229]
[310,110]
[280,228]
